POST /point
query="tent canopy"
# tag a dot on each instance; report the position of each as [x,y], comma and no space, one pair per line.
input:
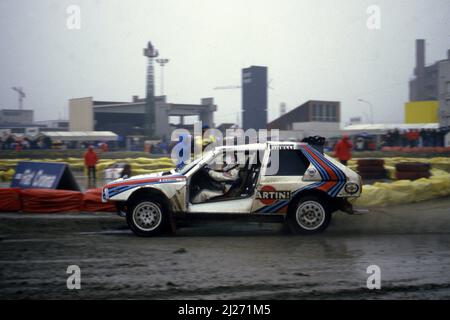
[381,128]
[81,135]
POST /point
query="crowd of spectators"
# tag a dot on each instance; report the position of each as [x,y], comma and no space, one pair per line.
[13,143]
[415,138]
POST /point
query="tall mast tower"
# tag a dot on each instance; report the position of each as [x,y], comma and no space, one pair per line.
[150,52]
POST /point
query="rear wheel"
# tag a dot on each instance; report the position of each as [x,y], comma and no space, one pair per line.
[146,217]
[309,215]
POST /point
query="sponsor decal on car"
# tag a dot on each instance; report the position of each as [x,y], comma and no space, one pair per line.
[312,172]
[268,195]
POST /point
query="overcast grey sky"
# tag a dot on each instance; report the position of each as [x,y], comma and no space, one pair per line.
[315,49]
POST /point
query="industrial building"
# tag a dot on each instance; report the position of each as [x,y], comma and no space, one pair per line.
[311,118]
[444,92]
[254,98]
[20,121]
[16,117]
[127,119]
[54,125]
[430,83]
[422,112]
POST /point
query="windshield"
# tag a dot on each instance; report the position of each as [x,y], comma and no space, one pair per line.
[183,169]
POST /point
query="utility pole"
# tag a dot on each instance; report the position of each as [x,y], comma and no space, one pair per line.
[150,52]
[162,63]
[21,94]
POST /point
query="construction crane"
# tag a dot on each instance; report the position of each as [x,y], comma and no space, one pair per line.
[21,94]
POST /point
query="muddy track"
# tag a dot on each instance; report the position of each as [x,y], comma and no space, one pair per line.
[228,260]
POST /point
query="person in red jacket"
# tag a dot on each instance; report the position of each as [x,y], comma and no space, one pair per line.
[90,161]
[343,150]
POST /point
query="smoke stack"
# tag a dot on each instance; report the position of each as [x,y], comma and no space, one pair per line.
[448,54]
[420,56]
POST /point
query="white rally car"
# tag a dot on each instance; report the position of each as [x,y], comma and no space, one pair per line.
[291,182]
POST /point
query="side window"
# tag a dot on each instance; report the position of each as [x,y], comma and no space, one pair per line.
[291,163]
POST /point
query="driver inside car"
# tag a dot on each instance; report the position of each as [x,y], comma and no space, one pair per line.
[225,177]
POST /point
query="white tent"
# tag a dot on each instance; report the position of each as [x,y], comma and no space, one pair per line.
[381,128]
[81,135]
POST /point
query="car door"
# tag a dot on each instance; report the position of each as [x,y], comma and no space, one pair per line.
[222,206]
[280,177]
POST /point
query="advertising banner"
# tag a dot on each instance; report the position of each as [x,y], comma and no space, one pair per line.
[44,175]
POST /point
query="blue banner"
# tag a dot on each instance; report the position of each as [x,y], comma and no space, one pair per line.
[40,175]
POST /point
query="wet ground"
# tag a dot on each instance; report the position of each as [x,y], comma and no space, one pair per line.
[232,260]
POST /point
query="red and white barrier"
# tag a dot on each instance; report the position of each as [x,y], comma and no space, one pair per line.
[52,201]
[10,200]
[92,202]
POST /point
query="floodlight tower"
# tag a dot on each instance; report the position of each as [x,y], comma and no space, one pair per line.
[162,63]
[21,94]
[150,52]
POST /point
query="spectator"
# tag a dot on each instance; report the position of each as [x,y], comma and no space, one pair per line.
[104,147]
[396,138]
[415,138]
[360,144]
[388,139]
[90,161]
[440,136]
[423,133]
[410,137]
[404,138]
[18,147]
[342,150]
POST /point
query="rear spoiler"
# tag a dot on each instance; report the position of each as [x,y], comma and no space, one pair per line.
[316,142]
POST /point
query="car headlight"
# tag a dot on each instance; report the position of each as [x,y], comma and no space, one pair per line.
[351,188]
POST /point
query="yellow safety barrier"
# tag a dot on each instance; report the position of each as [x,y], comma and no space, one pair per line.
[378,194]
[382,194]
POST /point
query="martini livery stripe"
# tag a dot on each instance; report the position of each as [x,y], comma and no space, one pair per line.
[119,187]
[332,172]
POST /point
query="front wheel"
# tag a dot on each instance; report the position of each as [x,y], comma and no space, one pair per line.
[309,215]
[146,218]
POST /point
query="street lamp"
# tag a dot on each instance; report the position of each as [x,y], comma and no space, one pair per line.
[162,63]
[370,107]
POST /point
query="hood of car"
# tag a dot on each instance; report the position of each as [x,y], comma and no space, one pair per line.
[143,179]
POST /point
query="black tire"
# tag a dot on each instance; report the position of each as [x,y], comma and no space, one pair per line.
[413,166]
[147,217]
[404,175]
[371,162]
[371,169]
[373,175]
[319,220]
